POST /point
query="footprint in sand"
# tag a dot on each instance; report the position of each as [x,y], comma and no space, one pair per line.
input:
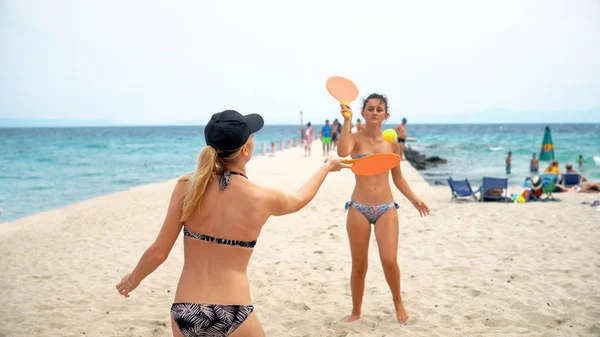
[296,305]
[475,293]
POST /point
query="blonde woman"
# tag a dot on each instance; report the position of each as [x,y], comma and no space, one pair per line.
[222,214]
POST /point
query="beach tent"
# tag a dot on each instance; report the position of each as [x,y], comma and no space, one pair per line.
[547,152]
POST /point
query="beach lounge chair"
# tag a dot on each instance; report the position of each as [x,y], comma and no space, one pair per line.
[549,181]
[461,188]
[571,179]
[548,176]
[489,184]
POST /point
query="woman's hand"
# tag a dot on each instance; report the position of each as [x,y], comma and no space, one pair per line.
[420,206]
[125,286]
[336,164]
[346,111]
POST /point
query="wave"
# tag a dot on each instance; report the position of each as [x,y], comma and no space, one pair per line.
[96,146]
[597,160]
[496,148]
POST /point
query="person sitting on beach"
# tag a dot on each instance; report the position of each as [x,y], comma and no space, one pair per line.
[584,186]
[372,203]
[222,214]
[569,169]
[553,168]
[535,191]
[508,162]
[534,164]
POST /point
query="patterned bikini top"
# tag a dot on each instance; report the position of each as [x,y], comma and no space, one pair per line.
[203,237]
[361,155]
[223,183]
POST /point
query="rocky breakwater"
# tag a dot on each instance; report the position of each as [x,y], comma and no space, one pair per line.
[420,161]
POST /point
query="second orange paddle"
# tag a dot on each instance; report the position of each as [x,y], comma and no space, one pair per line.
[373,164]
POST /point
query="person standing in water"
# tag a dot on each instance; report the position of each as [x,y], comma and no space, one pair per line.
[402,135]
[534,164]
[372,204]
[508,162]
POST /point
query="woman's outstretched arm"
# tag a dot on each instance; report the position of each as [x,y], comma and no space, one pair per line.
[282,204]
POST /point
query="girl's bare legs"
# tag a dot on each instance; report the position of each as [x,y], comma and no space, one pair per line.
[386,233]
[359,234]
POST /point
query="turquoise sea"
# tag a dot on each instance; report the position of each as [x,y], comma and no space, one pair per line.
[46,168]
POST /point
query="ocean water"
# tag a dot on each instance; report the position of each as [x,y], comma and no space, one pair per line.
[46,168]
[474,151]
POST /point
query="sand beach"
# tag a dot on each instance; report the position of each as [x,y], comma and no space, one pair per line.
[469,269]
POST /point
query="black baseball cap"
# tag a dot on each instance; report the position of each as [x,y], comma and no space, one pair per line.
[227,131]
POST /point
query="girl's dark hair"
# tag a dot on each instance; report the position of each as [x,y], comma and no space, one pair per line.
[380,97]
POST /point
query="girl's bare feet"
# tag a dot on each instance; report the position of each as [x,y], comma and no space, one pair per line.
[401,313]
[353,317]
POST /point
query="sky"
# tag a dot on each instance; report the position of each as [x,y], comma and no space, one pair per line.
[177,62]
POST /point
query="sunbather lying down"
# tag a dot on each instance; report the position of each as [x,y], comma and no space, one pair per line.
[589,187]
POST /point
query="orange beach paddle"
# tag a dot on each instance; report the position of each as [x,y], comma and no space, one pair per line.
[342,89]
[373,164]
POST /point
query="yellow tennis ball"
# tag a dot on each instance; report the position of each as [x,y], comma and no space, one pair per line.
[390,135]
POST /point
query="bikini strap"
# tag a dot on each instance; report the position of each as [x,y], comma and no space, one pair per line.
[226,176]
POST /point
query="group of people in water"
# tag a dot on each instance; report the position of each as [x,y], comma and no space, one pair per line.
[221,213]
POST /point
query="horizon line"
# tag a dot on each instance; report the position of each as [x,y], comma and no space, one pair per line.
[202,125]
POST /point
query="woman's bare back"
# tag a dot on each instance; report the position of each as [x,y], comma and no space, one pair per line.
[216,272]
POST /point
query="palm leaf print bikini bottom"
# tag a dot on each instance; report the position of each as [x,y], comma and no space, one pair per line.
[209,320]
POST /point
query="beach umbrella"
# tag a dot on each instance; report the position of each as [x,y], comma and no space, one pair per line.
[547,153]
